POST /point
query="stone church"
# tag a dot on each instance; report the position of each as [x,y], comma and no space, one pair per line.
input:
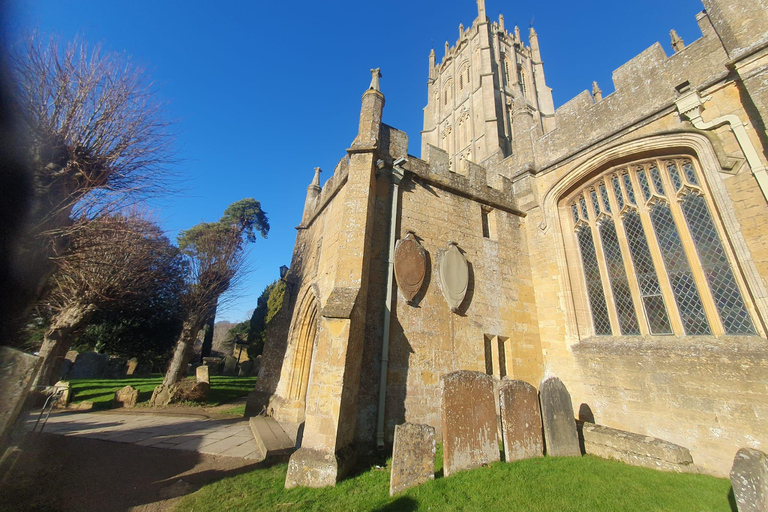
[618,242]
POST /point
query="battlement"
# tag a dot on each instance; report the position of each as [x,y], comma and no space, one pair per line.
[498,193]
[644,86]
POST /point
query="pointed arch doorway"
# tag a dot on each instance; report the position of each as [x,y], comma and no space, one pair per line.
[299,359]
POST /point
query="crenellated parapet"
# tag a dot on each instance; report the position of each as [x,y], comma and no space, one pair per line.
[644,86]
[474,183]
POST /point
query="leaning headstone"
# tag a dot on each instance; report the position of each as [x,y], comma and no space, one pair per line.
[560,436]
[201,374]
[245,368]
[126,397]
[89,365]
[131,366]
[749,479]
[63,393]
[230,362]
[17,370]
[520,420]
[161,396]
[469,421]
[413,457]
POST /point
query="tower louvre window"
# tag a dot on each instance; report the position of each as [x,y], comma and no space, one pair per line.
[654,262]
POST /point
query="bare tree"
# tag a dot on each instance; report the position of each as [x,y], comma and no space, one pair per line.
[214,256]
[95,139]
[114,259]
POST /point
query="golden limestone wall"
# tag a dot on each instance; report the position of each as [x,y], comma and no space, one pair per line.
[428,340]
[709,393]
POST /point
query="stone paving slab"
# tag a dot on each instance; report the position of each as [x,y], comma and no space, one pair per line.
[226,438]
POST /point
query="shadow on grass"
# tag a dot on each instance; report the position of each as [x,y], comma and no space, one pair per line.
[399,505]
[732,501]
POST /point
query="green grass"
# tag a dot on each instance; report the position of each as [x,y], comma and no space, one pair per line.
[543,485]
[102,391]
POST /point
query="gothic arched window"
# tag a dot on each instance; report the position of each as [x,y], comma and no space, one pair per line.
[653,261]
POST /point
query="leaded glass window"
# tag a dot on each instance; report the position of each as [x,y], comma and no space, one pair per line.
[653,261]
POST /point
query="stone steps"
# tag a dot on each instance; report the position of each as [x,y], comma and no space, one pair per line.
[271,440]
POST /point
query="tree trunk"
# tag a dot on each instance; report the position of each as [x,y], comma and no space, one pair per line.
[205,351]
[182,353]
[57,341]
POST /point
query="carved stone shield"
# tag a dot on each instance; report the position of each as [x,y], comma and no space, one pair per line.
[454,275]
[410,266]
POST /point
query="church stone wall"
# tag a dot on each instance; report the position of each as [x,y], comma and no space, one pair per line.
[706,393]
[428,340]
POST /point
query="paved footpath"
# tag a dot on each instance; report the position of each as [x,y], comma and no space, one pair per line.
[228,438]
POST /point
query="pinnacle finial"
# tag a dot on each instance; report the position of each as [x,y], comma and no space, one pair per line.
[597,94]
[481,9]
[316,179]
[375,76]
[677,41]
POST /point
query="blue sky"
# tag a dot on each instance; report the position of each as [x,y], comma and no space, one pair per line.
[262,92]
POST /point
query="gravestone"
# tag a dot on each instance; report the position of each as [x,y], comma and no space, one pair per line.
[520,420]
[17,370]
[66,364]
[413,457]
[560,436]
[213,364]
[126,397]
[64,392]
[749,479]
[245,368]
[469,421]
[230,362]
[116,368]
[64,369]
[131,366]
[201,374]
[89,365]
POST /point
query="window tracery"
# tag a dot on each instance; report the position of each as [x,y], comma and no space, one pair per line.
[652,259]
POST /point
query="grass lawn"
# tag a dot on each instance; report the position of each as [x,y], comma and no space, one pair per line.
[546,484]
[102,391]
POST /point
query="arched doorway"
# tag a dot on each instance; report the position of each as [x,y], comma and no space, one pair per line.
[299,360]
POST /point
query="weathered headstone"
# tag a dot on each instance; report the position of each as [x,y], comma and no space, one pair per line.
[245,368]
[520,420]
[64,393]
[89,365]
[413,457]
[131,366]
[116,368]
[161,396]
[469,421]
[635,449]
[126,397]
[749,479]
[213,364]
[65,368]
[202,375]
[230,362]
[17,370]
[560,436]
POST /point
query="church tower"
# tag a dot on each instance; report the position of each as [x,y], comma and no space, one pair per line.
[484,83]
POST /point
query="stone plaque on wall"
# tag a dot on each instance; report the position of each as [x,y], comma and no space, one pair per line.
[410,266]
[469,421]
[454,275]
